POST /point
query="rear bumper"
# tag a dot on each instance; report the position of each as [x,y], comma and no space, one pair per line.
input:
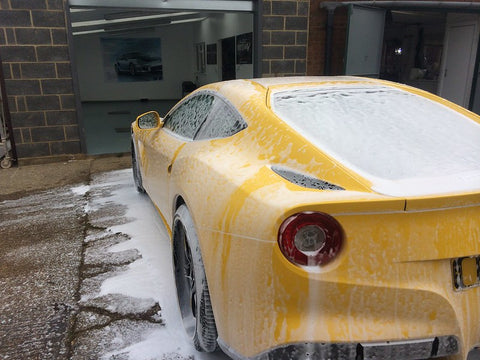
[372,293]
[399,350]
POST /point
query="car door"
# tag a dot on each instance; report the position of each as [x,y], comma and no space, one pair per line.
[164,146]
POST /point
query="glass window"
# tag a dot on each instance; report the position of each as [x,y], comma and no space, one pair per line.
[384,133]
[223,121]
[187,118]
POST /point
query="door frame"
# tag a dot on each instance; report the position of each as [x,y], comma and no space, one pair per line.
[455,20]
[350,39]
[240,6]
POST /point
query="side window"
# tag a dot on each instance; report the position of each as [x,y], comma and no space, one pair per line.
[223,121]
[189,116]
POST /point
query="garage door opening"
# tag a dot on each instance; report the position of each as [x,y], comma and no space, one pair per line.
[132,60]
[429,45]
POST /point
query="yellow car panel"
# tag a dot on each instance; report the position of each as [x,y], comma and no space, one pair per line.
[404,282]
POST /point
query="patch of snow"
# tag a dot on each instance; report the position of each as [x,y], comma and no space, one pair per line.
[80,190]
[405,144]
[148,348]
[149,277]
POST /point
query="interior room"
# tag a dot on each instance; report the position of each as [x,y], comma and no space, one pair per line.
[436,51]
[412,51]
[132,61]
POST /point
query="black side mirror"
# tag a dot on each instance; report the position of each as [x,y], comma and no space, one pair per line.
[149,120]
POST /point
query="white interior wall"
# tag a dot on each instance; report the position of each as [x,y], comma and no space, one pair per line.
[460,53]
[215,28]
[177,57]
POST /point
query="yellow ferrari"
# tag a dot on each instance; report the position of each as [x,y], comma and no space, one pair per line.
[319,217]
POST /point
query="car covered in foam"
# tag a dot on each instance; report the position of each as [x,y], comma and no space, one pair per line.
[319,217]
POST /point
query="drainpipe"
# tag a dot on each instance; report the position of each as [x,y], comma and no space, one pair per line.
[7,119]
[257,39]
[328,40]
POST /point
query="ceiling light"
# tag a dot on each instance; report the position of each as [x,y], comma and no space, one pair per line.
[130,19]
[88,32]
[187,21]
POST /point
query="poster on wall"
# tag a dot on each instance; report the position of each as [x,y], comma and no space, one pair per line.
[244,48]
[132,59]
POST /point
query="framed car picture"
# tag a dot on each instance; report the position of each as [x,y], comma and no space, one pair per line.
[244,48]
[132,59]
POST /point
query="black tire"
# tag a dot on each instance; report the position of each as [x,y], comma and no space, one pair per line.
[192,288]
[137,175]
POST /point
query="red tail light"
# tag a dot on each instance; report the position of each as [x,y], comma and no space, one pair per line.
[310,238]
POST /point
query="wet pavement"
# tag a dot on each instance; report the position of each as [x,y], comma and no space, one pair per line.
[106,322]
[53,261]
[42,258]
[72,262]
[39,279]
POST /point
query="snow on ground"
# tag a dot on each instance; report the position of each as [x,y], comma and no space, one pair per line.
[146,280]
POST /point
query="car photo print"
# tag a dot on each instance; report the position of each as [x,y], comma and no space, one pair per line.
[319,218]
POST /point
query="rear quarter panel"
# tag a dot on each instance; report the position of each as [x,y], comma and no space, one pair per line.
[392,280]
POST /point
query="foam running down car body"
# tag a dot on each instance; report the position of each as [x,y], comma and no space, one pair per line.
[319,217]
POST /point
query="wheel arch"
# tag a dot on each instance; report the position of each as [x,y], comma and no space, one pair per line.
[178,201]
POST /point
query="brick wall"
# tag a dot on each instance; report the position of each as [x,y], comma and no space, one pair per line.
[38,77]
[284,37]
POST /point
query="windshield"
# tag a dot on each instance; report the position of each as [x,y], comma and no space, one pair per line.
[384,133]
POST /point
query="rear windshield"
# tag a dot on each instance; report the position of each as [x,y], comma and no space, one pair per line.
[383,133]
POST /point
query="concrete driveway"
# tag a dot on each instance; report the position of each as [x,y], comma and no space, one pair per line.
[85,268]
[41,246]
